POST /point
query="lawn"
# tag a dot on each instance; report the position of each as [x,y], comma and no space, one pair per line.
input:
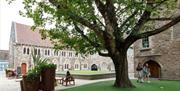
[154,85]
[84,72]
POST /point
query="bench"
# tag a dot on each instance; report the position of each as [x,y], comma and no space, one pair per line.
[68,81]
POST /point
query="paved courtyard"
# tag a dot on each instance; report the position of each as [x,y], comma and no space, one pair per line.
[14,85]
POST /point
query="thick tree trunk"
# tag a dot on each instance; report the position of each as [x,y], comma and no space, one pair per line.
[121,69]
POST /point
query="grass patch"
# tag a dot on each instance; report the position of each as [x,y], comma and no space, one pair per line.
[155,85]
[84,72]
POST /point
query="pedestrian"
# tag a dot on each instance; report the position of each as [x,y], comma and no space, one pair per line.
[146,72]
[140,73]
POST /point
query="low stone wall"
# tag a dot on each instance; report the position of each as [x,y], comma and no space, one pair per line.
[90,77]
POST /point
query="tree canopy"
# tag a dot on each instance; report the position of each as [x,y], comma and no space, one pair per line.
[82,24]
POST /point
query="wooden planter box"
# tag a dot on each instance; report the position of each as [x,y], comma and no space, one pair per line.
[48,79]
[30,85]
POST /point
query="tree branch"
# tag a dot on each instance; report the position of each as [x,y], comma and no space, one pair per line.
[111,13]
[84,36]
[160,19]
[161,29]
[80,19]
[128,19]
[103,54]
[101,7]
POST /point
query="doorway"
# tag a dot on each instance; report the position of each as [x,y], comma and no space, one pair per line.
[155,69]
[23,68]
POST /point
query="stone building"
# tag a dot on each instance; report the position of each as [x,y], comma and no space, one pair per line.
[23,42]
[161,52]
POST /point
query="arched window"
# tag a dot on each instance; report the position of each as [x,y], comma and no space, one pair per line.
[66,66]
[76,66]
[48,52]
[27,50]
[24,50]
[39,52]
[45,53]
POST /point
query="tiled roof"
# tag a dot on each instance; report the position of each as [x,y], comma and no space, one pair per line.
[24,35]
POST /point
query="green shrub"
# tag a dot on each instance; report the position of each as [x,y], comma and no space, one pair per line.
[33,75]
[47,66]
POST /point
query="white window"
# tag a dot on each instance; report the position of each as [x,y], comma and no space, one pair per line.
[145,42]
[66,66]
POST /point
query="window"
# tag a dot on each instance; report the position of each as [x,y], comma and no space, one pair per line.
[39,52]
[35,51]
[48,52]
[63,53]
[27,50]
[70,54]
[66,66]
[24,51]
[45,53]
[145,42]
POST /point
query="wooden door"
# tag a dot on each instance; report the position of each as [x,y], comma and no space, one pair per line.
[154,69]
[23,68]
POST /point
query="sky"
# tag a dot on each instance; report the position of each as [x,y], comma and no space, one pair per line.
[9,13]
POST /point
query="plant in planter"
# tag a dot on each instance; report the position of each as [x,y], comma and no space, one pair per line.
[38,60]
[31,80]
[48,76]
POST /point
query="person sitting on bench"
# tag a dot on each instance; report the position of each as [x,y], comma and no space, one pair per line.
[68,79]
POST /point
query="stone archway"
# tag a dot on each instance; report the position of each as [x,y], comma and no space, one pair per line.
[94,67]
[155,69]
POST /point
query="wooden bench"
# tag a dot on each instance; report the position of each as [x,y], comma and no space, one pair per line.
[59,80]
[68,81]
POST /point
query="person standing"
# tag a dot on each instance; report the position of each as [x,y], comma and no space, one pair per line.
[140,73]
[146,72]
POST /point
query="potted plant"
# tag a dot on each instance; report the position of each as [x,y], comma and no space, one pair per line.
[31,81]
[48,76]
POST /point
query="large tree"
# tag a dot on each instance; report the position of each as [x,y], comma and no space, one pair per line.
[107,27]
